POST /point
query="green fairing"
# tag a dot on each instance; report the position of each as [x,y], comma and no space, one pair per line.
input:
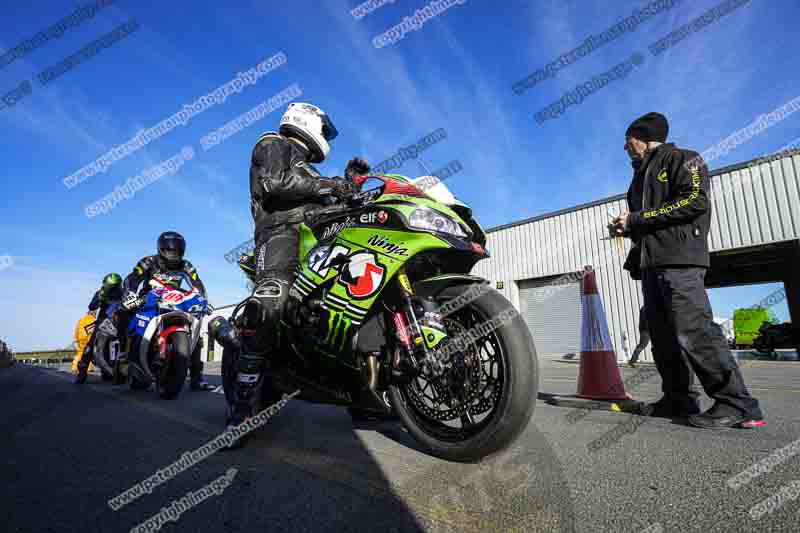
[391,248]
[408,209]
[307,241]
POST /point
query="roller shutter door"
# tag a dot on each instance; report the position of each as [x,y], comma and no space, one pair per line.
[552,312]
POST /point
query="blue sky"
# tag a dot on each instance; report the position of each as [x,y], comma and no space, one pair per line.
[455,72]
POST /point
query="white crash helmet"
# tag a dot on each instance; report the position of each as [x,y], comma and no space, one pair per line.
[312,125]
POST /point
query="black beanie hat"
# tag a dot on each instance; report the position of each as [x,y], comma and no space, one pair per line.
[650,127]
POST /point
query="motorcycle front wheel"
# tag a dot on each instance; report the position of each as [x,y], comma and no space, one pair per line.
[486,396]
[172,377]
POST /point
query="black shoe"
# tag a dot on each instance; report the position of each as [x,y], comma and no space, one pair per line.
[80,379]
[201,385]
[719,417]
[231,423]
[666,408]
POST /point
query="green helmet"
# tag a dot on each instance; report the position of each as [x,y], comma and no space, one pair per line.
[112,287]
[112,280]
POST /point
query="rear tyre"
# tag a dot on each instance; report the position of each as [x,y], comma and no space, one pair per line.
[173,375]
[502,371]
[102,346]
[106,375]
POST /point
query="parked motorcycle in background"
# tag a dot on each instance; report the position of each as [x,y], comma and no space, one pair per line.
[775,336]
[108,354]
[165,331]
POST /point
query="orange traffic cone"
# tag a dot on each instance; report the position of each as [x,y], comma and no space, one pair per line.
[598,377]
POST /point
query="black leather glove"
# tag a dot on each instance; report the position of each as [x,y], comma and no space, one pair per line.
[131,301]
[336,186]
[356,167]
[343,189]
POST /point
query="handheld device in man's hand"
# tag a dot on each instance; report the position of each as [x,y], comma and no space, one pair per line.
[614,230]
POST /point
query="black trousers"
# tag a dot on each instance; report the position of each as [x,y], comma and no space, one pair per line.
[644,340]
[686,338]
[276,261]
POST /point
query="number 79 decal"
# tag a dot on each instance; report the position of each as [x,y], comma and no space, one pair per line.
[319,261]
[363,274]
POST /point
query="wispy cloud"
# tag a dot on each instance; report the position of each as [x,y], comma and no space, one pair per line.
[47,304]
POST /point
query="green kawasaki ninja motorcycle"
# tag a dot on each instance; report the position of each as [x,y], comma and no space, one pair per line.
[389,308]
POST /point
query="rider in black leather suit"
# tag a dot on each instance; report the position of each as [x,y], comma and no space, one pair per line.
[283,186]
[171,247]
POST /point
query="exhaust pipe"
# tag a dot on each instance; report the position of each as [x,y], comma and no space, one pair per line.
[372,371]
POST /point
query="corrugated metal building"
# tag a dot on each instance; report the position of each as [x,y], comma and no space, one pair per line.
[537,263]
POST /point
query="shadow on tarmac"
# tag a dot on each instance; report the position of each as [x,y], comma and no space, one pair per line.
[67,450]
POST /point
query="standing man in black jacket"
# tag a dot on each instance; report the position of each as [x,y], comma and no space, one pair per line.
[669,219]
[283,186]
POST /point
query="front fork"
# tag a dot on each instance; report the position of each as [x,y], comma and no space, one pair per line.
[416,353]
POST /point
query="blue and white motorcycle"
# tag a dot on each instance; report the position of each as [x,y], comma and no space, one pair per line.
[165,331]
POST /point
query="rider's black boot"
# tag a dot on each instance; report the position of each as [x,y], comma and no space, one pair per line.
[247,388]
[83,374]
[84,362]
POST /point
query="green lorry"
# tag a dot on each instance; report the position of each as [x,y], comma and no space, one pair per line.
[746,323]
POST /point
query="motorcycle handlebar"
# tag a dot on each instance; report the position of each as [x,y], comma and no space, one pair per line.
[316,213]
[348,203]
